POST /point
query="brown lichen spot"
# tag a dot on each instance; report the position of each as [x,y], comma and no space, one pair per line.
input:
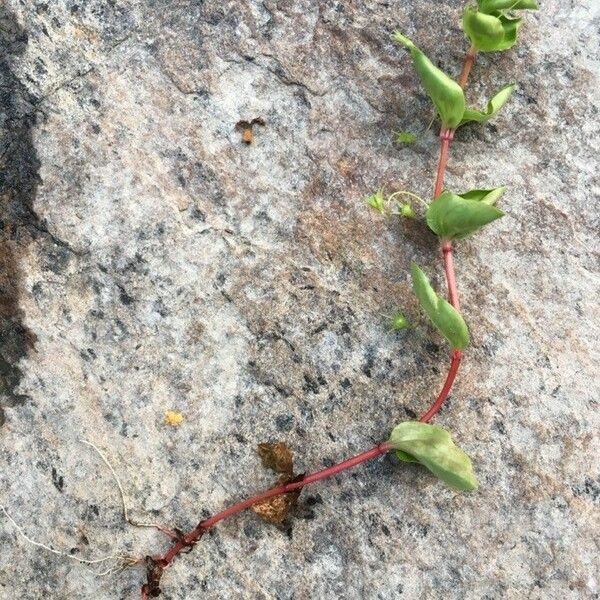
[535,485]
[196,332]
[352,244]
[345,168]
[334,238]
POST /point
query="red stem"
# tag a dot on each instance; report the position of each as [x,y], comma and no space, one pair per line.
[469,60]
[450,274]
[290,487]
[454,364]
[446,136]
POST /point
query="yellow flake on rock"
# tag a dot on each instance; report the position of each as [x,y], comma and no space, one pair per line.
[173,418]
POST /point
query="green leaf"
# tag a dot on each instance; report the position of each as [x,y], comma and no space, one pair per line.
[491,32]
[445,93]
[454,217]
[497,101]
[433,447]
[511,29]
[443,315]
[485,31]
[490,196]
[404,137]
[489,6]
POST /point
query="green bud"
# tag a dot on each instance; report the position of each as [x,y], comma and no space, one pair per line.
[454,217]
[398,322]
[406,210]
[433,447]
[496,102]
[446,94]
[377,202]
[404,137]
[443,315]
[490,32]
[490,6]
[484,31]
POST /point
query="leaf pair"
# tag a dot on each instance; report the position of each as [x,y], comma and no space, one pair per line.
[455,216]
[434,448]
[490,6]
[447,96]
[489,29]
[443,315]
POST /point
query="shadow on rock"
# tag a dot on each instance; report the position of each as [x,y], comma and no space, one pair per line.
[19,179]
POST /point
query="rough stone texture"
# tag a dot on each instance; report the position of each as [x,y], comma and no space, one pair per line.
[150,261]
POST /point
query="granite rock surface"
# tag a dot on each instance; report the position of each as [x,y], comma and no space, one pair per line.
[150,262]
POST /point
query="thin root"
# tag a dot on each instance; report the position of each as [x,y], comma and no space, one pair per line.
[87,561]
[168,532]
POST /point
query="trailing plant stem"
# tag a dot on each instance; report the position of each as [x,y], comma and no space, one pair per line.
[157,564]
[446,137]
[185,542]
[290,487]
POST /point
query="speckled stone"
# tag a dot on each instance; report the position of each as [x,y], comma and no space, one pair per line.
[150,261]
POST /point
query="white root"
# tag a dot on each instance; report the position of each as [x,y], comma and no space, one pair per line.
[121,561]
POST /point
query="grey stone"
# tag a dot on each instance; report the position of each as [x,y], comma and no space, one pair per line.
[153,262]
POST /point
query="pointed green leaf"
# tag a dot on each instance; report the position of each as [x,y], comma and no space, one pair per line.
[490,196]
[434,448]
[489,6]
[443,315]
[485,31]
[493,106]
[453,217]
[445,93]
